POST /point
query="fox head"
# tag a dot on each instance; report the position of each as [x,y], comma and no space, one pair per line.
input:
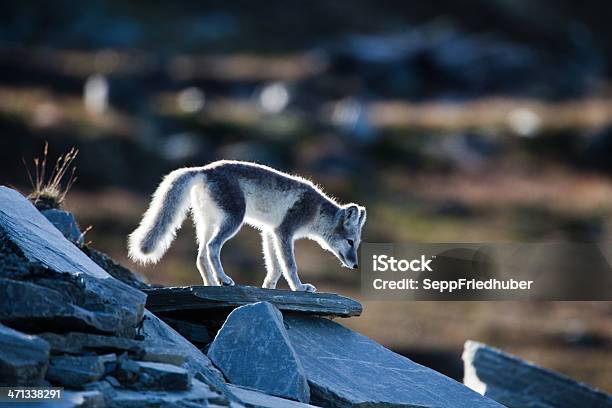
[345,236]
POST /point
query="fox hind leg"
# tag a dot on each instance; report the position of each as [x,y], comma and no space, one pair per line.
[273,267]
[224,231]
[203,268]
[203,232]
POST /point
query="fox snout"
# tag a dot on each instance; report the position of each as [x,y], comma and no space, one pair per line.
[349,259]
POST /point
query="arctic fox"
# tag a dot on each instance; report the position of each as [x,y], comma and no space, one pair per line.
[224,195]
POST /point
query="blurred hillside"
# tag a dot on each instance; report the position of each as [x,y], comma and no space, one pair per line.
[471,121]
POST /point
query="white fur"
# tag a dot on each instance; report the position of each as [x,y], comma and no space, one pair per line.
[265,209]
[166,213]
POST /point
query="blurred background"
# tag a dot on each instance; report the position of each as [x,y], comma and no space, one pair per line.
[472,121]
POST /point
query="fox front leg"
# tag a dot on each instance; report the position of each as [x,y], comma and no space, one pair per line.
[273,267]
[283,244]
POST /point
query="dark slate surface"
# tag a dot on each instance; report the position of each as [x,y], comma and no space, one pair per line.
[148,376]
[191,298]
[199,395]
[40,242]
[65,222]
[346,369]
[80,343]
[74,371]
[159,338]
[252,349]
[23,358]
[34,307]
[517,383]
[157,333]
[160,376]
[195,333]
[255,399]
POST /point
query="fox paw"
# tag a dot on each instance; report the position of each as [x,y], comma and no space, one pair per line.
[268,285]
[227,281]
[307,287]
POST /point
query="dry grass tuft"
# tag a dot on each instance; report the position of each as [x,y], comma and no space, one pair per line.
[51,192]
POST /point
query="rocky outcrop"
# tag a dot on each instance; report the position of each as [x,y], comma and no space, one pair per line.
[259,349]
[93,335]
[252,349]
[158,336]
[517,383]
[53,264]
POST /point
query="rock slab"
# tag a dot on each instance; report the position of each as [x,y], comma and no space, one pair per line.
[32,307]
[74,371]
[207,298]
[253,349]
[160,376]
[81,343]
[347,369]
[23,358]
[517,383]
[70,270]
[199,395]
[255,399]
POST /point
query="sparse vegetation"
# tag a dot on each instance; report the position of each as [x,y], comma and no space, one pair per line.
[49,190]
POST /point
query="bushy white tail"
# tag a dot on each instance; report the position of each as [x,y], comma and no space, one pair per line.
[166,213]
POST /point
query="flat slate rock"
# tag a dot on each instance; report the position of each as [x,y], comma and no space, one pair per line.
[252,349]
[161,377]
[517,383]
[198,395]
[80,343]
[191,298]
[347,369]
[255,399]
[74,371]
[32,307]
[41,243]
[23,358]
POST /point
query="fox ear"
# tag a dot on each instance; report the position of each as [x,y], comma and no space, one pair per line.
[362,216]
[351,214]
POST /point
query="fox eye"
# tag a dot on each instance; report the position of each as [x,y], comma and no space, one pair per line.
[350,242]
